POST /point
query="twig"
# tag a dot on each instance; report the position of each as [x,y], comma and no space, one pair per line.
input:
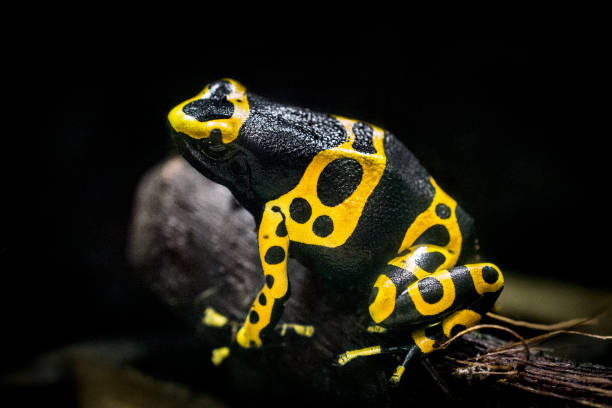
[510,347]
[547,327]
[488,326]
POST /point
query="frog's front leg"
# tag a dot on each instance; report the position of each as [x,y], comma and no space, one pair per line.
[268,305]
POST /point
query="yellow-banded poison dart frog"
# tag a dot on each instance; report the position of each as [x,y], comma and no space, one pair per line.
[348,200]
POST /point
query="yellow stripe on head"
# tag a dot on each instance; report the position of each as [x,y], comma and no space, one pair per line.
[229,128]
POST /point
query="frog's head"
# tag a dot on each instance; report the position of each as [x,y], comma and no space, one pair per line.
[205,129]
[213,117]
[257,148]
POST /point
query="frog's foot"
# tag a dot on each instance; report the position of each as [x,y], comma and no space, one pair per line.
[220,354]
[350,355]
[411,351]
[397,375]
[299,329]
[212,318]
[399,370]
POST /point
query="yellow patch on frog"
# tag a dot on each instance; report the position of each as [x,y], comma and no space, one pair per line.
[424,343]
[384,303]
[447,299]
[407,262]
[465,317]
[344,216]
[183,123]
[429,218]
[480,284]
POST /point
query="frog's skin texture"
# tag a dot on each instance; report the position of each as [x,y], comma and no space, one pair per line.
[349,201]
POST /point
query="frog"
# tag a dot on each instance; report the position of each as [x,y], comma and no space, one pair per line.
[349,201]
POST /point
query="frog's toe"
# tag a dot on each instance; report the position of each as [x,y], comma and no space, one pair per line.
[299,329]
[220,354]
[376,329]
[397,375]
[347,356]
[212,318]
[343,358]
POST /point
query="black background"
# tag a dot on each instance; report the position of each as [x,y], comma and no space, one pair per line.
[515,131]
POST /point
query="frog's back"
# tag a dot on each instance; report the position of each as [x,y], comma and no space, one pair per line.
[404,192]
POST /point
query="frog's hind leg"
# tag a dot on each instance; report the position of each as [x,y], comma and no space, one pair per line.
[428,339]
[444,303]
[422,289]
[418,262]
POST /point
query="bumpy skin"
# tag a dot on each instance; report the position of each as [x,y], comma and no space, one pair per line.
[349,201]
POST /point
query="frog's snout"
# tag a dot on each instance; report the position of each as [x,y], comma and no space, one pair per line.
[204,110]
[222,107]
[200,117]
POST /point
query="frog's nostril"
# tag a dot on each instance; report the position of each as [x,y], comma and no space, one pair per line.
[204,110]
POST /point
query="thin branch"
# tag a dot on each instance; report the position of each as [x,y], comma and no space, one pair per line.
[508,348]
[545,327]
[488,326]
